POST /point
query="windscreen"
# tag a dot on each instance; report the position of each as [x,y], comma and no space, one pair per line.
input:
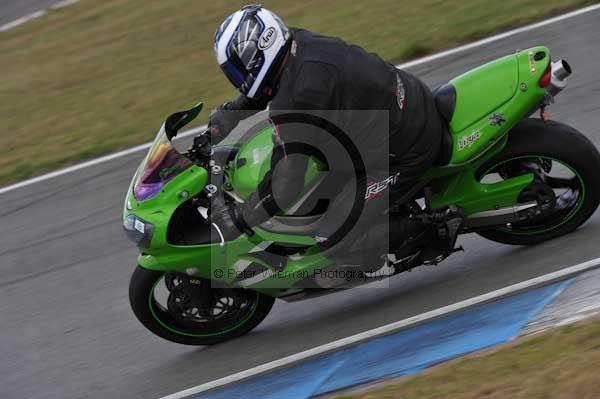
[162,164]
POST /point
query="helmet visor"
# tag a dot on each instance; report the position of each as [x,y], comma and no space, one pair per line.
[234,73]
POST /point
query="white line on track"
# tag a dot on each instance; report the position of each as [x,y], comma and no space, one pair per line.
[419,61]
[63,4]
[501,36]
[93,162]
[20,21]
[391,328]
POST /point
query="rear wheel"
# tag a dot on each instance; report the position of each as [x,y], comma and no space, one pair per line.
[566,166]
[187,310]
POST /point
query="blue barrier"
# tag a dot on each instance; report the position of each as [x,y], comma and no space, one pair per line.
[402,353]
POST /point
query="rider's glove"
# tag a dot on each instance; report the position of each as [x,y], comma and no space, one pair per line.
[227,116]
[221,123]
[228,219]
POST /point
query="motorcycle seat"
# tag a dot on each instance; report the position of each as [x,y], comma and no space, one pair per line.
[445,102]
[446,146]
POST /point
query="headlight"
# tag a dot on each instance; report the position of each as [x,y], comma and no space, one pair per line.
[138,231]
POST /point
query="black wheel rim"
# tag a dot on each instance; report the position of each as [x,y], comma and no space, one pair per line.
[565,182]
[190,306]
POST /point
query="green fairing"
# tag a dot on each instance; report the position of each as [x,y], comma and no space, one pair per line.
[508,86]
[254,159]
[158,210]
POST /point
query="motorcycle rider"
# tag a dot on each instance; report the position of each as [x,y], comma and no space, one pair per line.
[295,69]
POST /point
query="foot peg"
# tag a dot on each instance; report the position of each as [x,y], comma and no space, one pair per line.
[447,223]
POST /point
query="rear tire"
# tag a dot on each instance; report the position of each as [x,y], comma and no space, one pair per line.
[551,140]
[162,321]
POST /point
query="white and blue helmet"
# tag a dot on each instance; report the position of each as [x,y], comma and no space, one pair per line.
[250,46]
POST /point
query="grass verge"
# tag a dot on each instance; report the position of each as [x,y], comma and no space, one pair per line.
[562,363]
[100,76]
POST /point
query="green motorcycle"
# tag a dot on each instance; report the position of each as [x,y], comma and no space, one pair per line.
[511,178]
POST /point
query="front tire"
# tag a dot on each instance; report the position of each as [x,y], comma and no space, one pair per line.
[194,313]
[533,140]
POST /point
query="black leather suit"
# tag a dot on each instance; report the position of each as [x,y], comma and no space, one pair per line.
[325,73]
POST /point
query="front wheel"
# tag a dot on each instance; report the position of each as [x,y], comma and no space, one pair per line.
[566,166]
[187,310]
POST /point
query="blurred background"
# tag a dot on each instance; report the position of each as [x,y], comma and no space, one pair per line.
[98,76]
[91,77]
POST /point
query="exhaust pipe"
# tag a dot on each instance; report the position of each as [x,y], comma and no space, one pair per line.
[560,72]
[502,216]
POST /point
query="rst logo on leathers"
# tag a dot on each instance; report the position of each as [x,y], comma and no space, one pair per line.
[375,188]
[267,39]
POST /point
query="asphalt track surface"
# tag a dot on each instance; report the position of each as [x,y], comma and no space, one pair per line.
[11,10]
[67,329]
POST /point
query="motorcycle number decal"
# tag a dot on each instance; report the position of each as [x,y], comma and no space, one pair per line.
[467,141]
